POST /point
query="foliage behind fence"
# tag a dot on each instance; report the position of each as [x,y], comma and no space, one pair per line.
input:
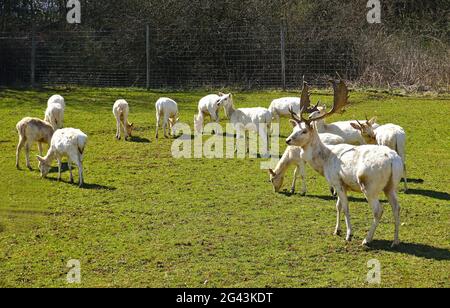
[199,57]
[244,57]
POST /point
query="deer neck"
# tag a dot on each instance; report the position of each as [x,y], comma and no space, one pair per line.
[50,157]
[283,164]
[316,153]
[320,126]
[229,110]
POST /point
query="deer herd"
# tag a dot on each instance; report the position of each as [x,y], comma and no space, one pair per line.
[353,156]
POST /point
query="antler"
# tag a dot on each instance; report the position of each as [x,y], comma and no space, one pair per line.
[305,102]
[299,119]
[341,96]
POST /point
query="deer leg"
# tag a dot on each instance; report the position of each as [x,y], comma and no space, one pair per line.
[171,129]
[264,140]
[343,200]
[27,155]
[158,122]
[20,145]
[214,115]
[80,171]
[40,148]
[377,209]
[338,230]
[300,171]
[405,175]
[166,120]
[69,164]
[125,131]
[118,129]
[393,200]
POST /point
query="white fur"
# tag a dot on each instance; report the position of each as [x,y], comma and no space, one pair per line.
[167,110]
[209,106]
[342,129]
[32,130]
[390,135]
[280,108]
[249,119]
[369,169]
[293,156]
[66,142]
[54,113]
[394,137]
[121,111]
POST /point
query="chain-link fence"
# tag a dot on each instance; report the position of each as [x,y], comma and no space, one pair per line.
[174,58]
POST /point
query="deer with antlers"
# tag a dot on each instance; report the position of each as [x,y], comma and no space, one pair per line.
[369,169]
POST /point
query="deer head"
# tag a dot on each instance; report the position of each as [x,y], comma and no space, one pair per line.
[367,130]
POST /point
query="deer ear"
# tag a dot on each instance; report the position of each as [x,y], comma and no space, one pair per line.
[221,94]
[373,121]
[356,126]
[272,173]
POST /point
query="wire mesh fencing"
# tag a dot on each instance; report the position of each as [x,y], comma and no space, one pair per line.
[277,57]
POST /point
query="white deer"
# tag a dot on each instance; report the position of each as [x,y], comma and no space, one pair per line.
[209,106]
[121,110]
[167,110]
[249,119]
[281,108]
[32,130]
[66,142]
[54,114]
[390,135]
[368,169]
[293,156]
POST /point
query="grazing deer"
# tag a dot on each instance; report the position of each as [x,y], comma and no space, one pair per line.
[121,110]
[167,110]
[368,169]
[293,156]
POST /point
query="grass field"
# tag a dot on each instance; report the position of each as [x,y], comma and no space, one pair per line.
[145,219]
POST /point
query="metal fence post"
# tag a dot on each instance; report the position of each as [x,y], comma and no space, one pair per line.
[147,51]
[283,56]
[33,57]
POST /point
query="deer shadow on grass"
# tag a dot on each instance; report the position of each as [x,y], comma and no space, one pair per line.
[136,139]
[418,250]
[65,168]
[439,195]
[414,181]
[332,198]
[86,186]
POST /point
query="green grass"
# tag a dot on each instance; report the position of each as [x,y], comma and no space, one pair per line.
[148,220]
